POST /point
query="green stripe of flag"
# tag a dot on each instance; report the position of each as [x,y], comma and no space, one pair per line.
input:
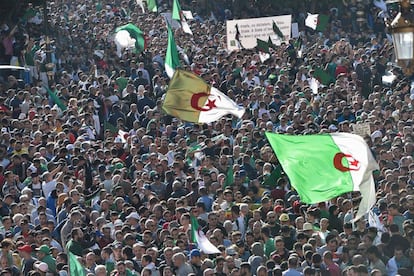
[75,267]
[56,99]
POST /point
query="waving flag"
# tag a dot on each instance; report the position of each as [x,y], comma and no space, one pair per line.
[191,99]
[178,15]
[317,22]
[172,59]
[277,31]
[321,167]
[198,237]
[136,34]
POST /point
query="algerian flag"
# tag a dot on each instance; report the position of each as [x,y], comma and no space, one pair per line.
[190,99]
[198,237]
[277,31]
[152,5]
[172,59]
[321,167]
[136,34]
[263,47]
[177,14]
[75,267]
[317,22]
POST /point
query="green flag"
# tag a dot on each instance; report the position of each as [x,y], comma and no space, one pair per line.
[176,10]
[56,99]
[110,127]
[321,167]
[229,177]
[277,31]
[75,267]
[322,76]
[152,5]
[262,46]
[271,180]
[136,34]
[172,59]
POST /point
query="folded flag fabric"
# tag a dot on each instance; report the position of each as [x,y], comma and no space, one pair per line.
[321,167]
[317,22]
[136,34]
[172,59]
[75,267]
[191,99]
[198,237]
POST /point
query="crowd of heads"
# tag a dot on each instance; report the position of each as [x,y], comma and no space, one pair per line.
[91,167]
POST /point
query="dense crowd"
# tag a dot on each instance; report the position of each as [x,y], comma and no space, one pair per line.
[102,172]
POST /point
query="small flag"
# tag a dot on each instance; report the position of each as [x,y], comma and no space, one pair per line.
[136,34]
[262,46]
[322,76]
[75,267]
[277,31]
[317,22]
[190,99]
[237,37]
[198,237]
[321,167]
[177,14]
[152,5]
[56,99]
[172,59]
[270,42]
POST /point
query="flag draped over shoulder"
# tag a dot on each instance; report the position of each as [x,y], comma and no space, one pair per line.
[317,22]
[172,59]
[75,267]
[56,99]
[198,237]
[191,99]
[136,34]
[321,167]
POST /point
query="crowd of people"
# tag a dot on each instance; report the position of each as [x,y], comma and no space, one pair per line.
[91,165]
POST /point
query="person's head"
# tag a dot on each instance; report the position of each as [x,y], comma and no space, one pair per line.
[100,270]
[178,259]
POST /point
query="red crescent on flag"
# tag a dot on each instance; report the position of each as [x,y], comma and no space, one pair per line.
[353,163]
[196,97]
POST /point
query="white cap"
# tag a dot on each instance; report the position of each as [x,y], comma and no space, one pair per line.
[41,266]
[133,215]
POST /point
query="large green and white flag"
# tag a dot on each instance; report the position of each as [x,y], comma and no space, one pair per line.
[172,59]
[324,166]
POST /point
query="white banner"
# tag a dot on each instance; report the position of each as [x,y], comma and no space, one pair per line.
[261,28]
